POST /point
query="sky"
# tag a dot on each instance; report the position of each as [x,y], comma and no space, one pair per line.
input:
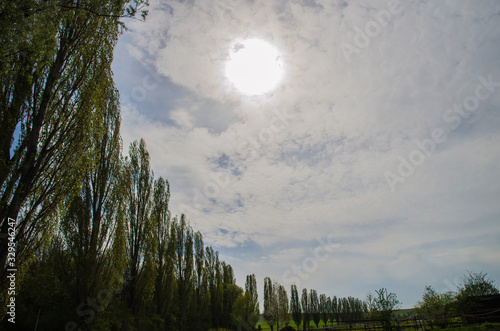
[374,162]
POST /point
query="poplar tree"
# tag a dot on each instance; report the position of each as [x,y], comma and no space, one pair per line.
[283,305]
[246,308]
[306,309]
[323,310]
[93,219]
[215,286]
[295,306]
[270,309]
[328,310]
[185,267]
[314,307]
[140,231]
[164,254]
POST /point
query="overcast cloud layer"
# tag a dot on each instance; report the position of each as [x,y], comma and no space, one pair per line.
[374,164]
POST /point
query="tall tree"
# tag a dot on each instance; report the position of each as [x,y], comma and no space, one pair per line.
[328,310]
[314,307]
[251,287]
[323,310]
[165,259]
[334,314]
[200,306]
[251,309]
[306,309]
[295,306]
[185,267]
[270,299]
[93,216]
[55,72]
[215,286]
[140,231]
[283,305]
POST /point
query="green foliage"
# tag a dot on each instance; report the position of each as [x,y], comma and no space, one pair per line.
[314,307]
[436,305]
[55,78]
[246,307]
[295,305]
[482,327]
[306,308]
[269,300]
[283,306]
[245,313]
[473,284]
[384,304]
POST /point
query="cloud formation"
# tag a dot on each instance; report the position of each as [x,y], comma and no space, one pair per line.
[366,85]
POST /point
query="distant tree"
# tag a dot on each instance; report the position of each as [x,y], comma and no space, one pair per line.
[295,306]
[334,313]
[283,305]
[384,304]
[314,307]
[251,287]
[328,310]
[306,309]
[270,309]
[370,304]
[436,306]
[473,284]
[344,310]
[323,308]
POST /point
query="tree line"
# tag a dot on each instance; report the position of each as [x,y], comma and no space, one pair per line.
[311,307]
[307,306]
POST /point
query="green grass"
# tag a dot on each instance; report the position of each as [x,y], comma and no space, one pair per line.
[482,327]
[266,327]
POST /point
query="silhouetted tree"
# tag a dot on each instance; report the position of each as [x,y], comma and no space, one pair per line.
[295,306]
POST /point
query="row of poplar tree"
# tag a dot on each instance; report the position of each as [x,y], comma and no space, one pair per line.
[311,307]
[118,260]
[95,244]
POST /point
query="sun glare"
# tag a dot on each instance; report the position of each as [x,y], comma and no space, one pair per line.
[254,67]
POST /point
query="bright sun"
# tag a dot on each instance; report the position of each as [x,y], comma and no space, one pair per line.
[254,67]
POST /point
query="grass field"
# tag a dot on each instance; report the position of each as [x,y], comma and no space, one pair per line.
[266,327]
[484,327]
